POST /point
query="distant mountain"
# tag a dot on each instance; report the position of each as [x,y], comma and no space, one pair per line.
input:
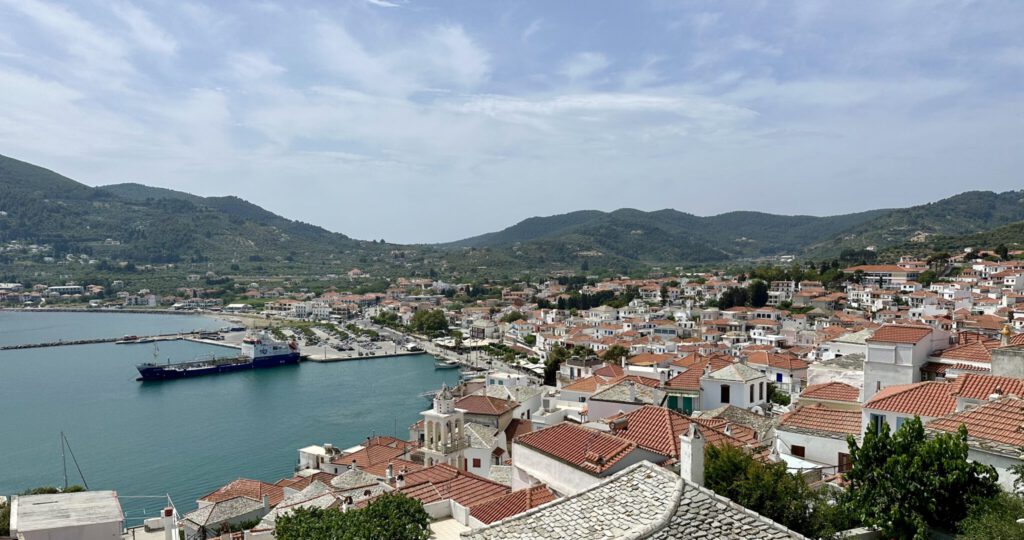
[670,236]
[666,236]
[964,214]
[146,224]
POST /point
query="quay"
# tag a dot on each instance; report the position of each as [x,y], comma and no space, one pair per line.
[162,337]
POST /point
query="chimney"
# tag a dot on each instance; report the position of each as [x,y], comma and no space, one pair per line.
[400,480]
[345,503]
[1004,340]
[389,473]
[632,390]
[170,527]
[663,376]
[691,455]
[352,465]
[266,502]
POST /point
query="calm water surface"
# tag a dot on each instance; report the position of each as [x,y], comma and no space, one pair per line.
[185,437]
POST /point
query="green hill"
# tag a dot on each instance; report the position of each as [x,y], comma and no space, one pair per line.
[144,224]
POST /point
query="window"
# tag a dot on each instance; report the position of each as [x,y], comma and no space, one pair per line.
[751,393]
[476,463]
[875,422]
[778,377]
[899,421]
[725,393]
[583,399]
[797,451]
[845,462]
[760,392]
[878,386]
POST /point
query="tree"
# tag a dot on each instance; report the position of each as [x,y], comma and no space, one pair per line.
[513,316]
[774,396]
[615,354]
[430,322]
[758,292]
[994,519]
[1003,252]
[391,515]
[905,483]
[768,489]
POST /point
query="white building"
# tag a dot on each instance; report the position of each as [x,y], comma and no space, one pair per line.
[896,353]
[737,384]
[88,515]
[814,437]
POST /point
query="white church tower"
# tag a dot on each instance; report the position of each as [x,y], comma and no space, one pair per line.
[444,432]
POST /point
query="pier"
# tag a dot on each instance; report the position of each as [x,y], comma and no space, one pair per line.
[142,340]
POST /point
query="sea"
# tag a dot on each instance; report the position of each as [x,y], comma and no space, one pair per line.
[183,438]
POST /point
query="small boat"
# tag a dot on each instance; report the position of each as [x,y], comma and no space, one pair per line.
[447,364]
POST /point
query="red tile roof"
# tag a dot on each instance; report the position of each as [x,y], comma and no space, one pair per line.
[517,427]
[371,455]
[586,449]
[657,429]
[609,371]
[690,379]
[649,359]
[818,417]
[778,361]
[895,333]
[1000,422]
[244,487]
[485,405]
[930,399]
[832,391]
[302,482]
[512,504]
[979,387]
[464,488]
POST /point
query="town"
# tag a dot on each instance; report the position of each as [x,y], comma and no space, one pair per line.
[581,398]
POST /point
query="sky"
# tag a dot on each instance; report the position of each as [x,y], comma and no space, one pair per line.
[416,121]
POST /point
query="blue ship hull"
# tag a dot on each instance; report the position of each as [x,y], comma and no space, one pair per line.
[163,372]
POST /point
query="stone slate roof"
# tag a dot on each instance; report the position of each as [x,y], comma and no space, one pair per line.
[735,372]
[642,501]
[223,510]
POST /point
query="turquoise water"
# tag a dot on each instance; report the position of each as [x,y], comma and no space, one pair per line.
[183,438]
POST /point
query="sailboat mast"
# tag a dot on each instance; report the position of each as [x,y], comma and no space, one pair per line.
[64,460]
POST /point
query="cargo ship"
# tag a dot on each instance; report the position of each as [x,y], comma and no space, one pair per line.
[258,351]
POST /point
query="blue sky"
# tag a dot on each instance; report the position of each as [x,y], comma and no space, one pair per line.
[431,121]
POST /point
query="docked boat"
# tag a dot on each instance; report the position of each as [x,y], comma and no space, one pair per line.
[447,364]
[258,351]
[127,339]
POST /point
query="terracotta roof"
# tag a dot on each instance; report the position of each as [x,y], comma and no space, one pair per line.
[648,359]
[302,482]
[512,504]
[778,361]
[586,385]
[609,371]
[583,448]
[690,379]
[464,488]
[657,429]
[941,367]
[244,487]
[819,418]
[1000,423]
[895,333]
[485,405]
[371,455]
[979,387]
[832,391]
[932,399]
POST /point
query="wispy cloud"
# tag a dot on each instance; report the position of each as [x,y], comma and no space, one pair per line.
[338,103]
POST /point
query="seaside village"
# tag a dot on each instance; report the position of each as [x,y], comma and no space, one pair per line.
[615,448]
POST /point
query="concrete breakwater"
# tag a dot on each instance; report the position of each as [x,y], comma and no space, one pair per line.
[140,341]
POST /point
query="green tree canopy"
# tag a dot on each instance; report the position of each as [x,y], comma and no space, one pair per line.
[392,516]
[615,354]
[904,483]
[430,322]
[513,316]
[758,292]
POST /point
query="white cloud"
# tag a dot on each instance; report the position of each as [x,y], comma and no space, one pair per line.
[585,64]
[144,31]
[531,29]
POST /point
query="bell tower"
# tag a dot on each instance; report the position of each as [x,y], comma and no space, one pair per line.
[444,431]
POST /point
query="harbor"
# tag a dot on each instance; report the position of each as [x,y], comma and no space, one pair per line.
[182,438]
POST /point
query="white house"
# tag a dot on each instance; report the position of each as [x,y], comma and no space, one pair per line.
[814,437]
[736,384]
[897,404]
[993,434]
[895,354]
[88,515]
